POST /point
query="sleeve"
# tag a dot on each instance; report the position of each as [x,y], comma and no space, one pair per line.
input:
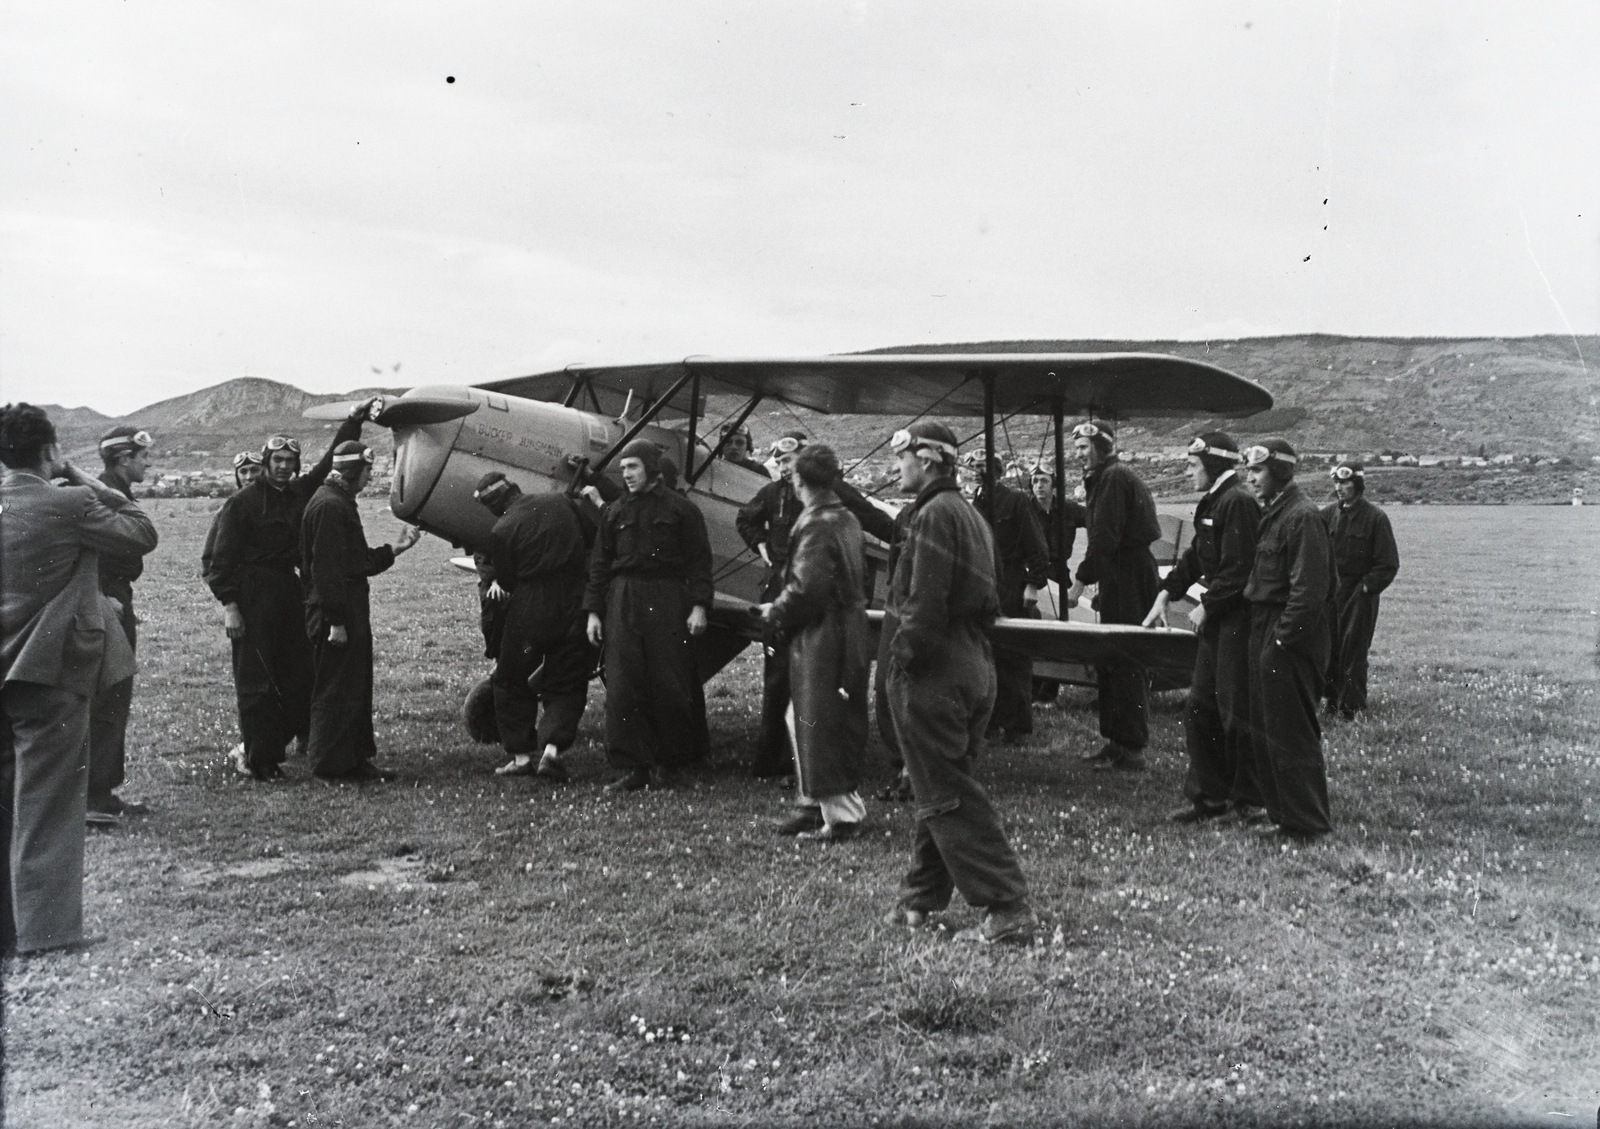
[325,537]
[120,527]
[378,560]
[600,558]
[872,519]
[751,520]
[1035,553]
[208,552]
[812,576]
[318,474]
[1239,517]
[1184,573]
[225,546]
[502,563]
[1385,556]
[1310,577]
[1107,519]
[925,611]
[696,556]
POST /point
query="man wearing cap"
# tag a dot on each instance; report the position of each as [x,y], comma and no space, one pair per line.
[1023,562]
[941,685]
[765,523]
[59,642]
[648,595]
[539,555]
[255,559]
[124,451]
[1367,558]
[1216,714]
[1290,584]
[1060,524]
[1122,524]
[336,562]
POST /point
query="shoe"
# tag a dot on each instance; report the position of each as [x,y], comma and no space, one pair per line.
[518,766]
[551,769]
[831,833]
[1198,812]
[804,819]
[237,762]
[897,793]
[632,781]
[297,747]
[1348,715]
[1013,736]
[1107,752]
[116,805]
[272,774]
[369,773]
[1014,926]
[902,918]
[663,777]
[1251,816]
[1125,761]
[102,818]
[132,807]
[64,949]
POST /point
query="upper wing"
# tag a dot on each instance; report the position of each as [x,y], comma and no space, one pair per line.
[1110,385]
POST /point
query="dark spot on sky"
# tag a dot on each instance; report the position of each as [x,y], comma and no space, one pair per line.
[1307,259]
[449,78]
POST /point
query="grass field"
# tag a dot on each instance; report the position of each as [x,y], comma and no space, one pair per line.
[453,949]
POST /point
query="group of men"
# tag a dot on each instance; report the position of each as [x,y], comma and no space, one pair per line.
[66,653]
[287,558]
[1287,596]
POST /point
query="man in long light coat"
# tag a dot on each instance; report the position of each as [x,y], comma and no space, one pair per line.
[60,641]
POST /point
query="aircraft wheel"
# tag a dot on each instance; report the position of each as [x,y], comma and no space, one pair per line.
[477,714]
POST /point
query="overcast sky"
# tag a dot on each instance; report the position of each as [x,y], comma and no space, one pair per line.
[197,191]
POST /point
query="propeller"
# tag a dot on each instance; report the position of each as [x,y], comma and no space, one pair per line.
[406,411]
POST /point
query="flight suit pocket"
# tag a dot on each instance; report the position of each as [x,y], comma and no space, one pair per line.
[627,536]
[663,537]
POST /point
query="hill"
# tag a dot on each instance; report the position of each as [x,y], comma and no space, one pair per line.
[1422,395]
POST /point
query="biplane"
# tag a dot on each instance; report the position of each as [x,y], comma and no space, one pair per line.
[550,431]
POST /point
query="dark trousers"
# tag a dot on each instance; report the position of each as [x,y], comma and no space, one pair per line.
[655,705]
[1216,716]
[1126,593]
[341,738]
[1013,698]
[881,709]
[272,666]
[44,750]
[108,725]
[940,717]
[544,632]
[773,755]
[1355,617]
[1285,686]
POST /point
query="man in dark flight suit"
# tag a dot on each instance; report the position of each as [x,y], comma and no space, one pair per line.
[255,558]
[1023,562]
[336,562]
[1122,524]
[540,558]
[1216,714]
[738,447]
[941,688]
[123,450]
[1289,588]
[764,522]
[1367,558]
[1060,525]
[649,591]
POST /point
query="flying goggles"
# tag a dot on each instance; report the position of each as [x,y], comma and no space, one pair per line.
[283,443]
[1197,446]
[1258,456]
[139,439]
[1344,473]
[788,445]
[903,440]
[246,458]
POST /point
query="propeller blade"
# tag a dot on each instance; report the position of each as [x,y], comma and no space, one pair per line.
[335,411]
[419,411]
